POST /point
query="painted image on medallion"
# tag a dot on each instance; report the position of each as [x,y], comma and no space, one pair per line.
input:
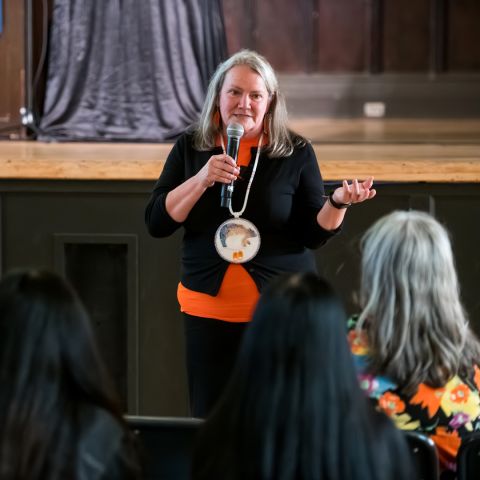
[237,240]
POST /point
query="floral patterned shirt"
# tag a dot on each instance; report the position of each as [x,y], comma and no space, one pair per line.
[445,414]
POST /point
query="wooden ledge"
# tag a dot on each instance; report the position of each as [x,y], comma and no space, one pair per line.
[133,161]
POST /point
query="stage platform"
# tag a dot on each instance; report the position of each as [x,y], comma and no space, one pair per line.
[78,209]
[390,150]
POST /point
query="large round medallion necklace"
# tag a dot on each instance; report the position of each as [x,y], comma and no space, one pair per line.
[237,240]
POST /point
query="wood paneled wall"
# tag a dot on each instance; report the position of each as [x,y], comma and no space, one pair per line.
[421,58]
[93,233]
[391,36]
[22,69]
[12,64]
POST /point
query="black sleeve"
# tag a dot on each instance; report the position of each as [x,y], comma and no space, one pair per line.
[106,448]
[309,199]
[157,219]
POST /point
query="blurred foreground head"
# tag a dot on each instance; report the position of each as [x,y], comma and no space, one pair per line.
[59,416]
[293,408]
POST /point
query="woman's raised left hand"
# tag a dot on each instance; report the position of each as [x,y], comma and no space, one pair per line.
[354,192]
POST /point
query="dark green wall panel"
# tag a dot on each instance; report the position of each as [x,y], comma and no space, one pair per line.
[43,222]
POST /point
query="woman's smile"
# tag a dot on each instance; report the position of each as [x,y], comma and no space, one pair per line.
[244,99]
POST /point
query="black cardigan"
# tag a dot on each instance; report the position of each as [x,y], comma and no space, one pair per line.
[284,201]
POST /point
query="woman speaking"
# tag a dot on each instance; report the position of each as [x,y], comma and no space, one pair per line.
[235,243]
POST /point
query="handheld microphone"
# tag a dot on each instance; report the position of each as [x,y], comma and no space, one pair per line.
[234,133]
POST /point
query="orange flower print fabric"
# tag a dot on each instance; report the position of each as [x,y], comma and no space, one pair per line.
[391,404]
[428,398]
[446,414]
[358,342]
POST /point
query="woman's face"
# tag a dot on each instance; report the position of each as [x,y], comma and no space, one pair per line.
[244,99]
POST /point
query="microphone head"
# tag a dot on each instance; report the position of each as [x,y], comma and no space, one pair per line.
[234,130]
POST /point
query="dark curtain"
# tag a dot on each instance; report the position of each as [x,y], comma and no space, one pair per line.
[129,70]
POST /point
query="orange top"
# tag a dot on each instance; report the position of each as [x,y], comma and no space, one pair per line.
[238,294]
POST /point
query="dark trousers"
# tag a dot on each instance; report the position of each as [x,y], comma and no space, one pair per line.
[211,348]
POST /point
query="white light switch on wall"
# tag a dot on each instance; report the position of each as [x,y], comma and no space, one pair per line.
[374,109]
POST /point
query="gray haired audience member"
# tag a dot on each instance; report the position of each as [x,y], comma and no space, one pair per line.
[59,416]
[293,409]
[417,357]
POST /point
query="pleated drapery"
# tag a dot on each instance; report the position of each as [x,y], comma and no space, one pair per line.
[129,70]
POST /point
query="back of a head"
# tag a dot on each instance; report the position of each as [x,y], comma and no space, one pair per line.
[410,298]
[293,404]
[48,365]
[60,346]
[298,328]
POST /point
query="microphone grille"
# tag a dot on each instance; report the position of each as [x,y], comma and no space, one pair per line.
[235,130]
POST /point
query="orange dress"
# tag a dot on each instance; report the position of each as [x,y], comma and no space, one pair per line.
[238,293]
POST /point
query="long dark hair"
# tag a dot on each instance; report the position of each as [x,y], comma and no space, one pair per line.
[49,366]
[293,408]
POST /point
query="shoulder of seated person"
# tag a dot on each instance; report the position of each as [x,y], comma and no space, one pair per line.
[100,438]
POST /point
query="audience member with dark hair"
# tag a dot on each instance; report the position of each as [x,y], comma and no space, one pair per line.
[417,356]
[59,418]
[293,408]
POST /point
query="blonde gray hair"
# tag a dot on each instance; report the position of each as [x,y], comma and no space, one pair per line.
[281,140]
[416,326]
